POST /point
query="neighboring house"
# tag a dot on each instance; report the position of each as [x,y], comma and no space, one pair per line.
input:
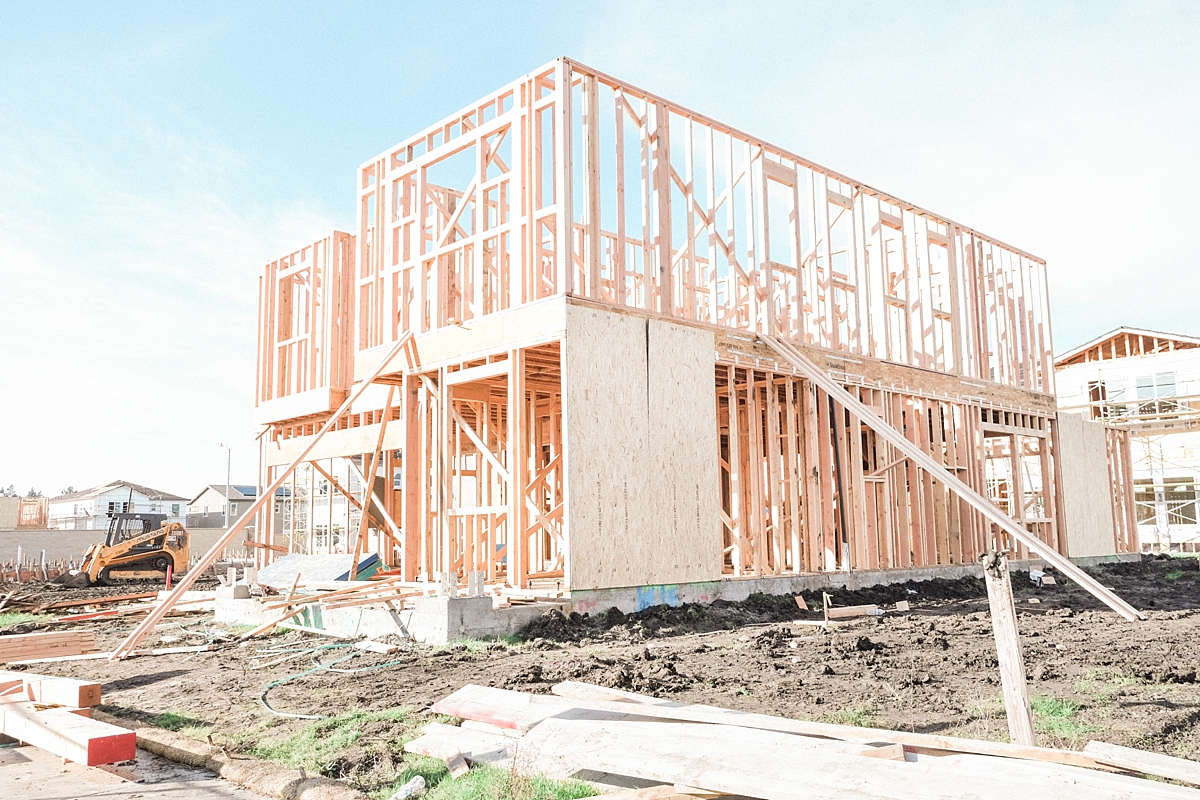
[207,509]
[91,509]
[1147,382]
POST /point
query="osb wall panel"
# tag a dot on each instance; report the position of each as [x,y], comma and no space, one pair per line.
[641,477]
[1087,491]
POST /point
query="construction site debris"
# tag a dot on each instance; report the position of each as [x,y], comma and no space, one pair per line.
[720,751]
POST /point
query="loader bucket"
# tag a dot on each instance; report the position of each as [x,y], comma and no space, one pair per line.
[74,580]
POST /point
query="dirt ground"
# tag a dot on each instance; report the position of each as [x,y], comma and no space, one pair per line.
[932,669]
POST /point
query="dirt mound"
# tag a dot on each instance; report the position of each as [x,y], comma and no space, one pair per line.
[757,609]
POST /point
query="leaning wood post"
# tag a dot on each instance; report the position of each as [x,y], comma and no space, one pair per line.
[1008,648]
[919,458]
[126,647]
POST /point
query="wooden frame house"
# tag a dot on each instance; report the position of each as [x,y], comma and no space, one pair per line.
[564,297]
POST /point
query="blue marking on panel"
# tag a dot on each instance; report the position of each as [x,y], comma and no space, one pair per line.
[648,596]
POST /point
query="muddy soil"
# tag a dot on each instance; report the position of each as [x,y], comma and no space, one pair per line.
[932,669]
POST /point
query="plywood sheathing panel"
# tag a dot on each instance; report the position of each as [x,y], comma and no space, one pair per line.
[1087,491]
[642,429]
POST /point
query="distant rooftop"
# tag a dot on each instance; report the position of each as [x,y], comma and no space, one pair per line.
[146,491]
[1126,342]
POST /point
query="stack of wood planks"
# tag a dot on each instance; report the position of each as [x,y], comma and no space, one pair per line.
[104,607]
[54,714]
[55,644]
[626,739]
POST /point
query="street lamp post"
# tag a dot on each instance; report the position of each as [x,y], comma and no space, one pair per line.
[228,461]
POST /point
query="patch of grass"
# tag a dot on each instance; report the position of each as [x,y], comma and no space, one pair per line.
[1104,684]
[990,708]
[1056,717]
[1175,574]
[19,617]
[484,783]
[858,716]
[188,726]
[317,745]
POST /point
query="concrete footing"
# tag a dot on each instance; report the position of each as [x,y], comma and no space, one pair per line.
[441,620]
[431,620]
[636,598]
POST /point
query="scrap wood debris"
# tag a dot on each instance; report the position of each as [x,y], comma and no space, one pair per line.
[584,727]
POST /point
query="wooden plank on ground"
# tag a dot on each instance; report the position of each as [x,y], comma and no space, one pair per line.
[845,612]
[52,689]
[775,766]
[68,735]
[438,740]
[42,645]
[503,708]
[625,704]
[1177,769]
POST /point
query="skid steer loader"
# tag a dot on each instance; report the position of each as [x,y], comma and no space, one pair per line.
[138,546]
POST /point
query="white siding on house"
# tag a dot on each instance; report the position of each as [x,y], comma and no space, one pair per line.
[1166,456]
[91,513]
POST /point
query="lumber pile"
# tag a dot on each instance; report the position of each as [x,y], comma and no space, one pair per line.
[25,646]
[696,749]
[87,609]
[54,714]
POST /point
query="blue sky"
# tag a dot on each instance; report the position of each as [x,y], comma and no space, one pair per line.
[154,155]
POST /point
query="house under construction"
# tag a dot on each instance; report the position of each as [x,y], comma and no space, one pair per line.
[588,318]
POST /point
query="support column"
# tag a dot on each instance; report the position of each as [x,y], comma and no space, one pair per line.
[1008,648]
[517,437]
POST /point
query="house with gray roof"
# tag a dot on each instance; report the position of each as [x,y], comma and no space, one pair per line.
[91,509]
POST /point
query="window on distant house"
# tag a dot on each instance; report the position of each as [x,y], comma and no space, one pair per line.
[175,509]
[1150,387]
[206,511]
[1143,501]
[1180,494]
[1097,397]
[233,509]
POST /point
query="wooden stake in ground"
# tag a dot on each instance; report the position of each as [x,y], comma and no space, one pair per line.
[1008,648]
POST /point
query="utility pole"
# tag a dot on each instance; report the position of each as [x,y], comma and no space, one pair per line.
[228,461]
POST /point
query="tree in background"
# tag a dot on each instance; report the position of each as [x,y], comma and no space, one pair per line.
[11,491]
[34,492]
[68,490]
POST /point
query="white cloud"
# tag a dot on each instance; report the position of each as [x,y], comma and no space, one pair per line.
[127,319]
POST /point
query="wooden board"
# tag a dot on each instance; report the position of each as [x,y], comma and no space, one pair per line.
[641,467]
[1177,769]
[438,740]
[52,689]
[588,696]
[503,708]
[776,766]
[846,612]
[46,645]
[1086,488]
[69,735]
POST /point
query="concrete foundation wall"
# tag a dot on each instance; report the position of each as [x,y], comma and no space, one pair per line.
[57,544]
[432,620]
[636,598]
[71,544]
